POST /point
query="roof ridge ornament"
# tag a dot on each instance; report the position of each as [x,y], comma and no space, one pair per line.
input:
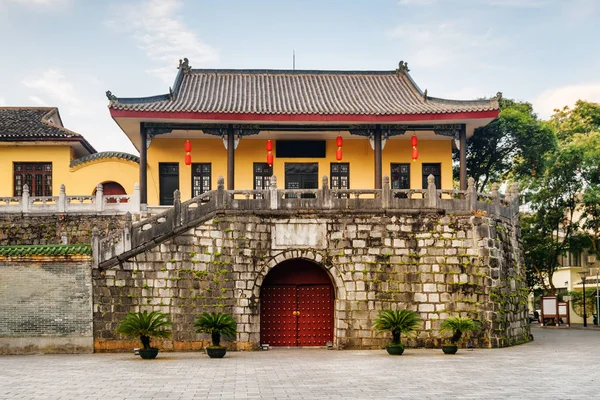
[184,65]
[111,98]
[498,96]
[402,67]
[425,96]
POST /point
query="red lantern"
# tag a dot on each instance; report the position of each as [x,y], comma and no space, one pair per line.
[338,154]
[339,141]
[414,141]
[415,154]
[188,146]
[269,145]
[188,159]
[270,159]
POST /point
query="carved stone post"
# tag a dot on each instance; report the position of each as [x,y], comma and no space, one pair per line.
[62,199]
[135,199]
[95,246]
[432,196]
[496,198]
[176,208]
[220,193]
[126,235]
[99,198]
[25,198]
[386,193]
[273,196]
[471,195]
[326,194]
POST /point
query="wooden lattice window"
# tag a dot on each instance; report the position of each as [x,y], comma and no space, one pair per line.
[38,176]
[201,179]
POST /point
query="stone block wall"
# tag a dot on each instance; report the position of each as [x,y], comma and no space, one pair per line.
[46,304]
[19,229]
[438,265]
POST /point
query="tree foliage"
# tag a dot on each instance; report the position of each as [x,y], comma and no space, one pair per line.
[457,326]
[565,199]
[510,147]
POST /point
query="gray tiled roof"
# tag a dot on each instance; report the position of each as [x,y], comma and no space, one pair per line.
[33,124]
[299,92]
[105,155]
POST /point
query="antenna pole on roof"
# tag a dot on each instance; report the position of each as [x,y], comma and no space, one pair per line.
[294,59]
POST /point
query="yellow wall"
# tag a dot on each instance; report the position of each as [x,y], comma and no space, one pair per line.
[59,156]
[81,180]
[357,152]
[85,178]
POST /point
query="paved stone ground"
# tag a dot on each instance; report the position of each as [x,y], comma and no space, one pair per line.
[559,364]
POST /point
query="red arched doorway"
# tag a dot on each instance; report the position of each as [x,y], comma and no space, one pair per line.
[296,305]
[111,188]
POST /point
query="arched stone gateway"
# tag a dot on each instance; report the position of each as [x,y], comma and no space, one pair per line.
[297,305]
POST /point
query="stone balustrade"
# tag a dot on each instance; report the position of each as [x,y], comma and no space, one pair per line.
[141,236]
[63,204]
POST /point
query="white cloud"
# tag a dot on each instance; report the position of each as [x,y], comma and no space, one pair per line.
[557,98]
[163,36]
[500,3]
[431,45]
[53,83]
[38,102]
[42,3]
[2,101]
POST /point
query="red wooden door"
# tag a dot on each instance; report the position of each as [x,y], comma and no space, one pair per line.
[315,315]
[296,305]
[278,315]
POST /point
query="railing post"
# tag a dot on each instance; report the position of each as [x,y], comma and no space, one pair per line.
[471,195]
[99,198]
[386,198]
[95,246]
[515,201]
[220,193]
[273,196]
[62,199]
[176,208]
[326,194]
[135,199]
[25,198]
[496,198]
[432,196]
[127,232]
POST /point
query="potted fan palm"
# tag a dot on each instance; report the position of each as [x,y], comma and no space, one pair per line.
[397,322]
[216,324]
[457,326]
[146,325]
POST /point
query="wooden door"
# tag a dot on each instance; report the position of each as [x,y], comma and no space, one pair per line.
[297,305]
[315,315]
[168,182]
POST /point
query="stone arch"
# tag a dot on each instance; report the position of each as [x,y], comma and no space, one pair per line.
[310,255]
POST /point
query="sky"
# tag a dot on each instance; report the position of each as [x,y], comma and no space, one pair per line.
[68,53]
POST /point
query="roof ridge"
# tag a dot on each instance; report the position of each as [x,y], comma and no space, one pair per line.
[46,249]
[293,71]
[105,154]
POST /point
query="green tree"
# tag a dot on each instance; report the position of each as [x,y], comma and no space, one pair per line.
[512,146]
[565,199]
